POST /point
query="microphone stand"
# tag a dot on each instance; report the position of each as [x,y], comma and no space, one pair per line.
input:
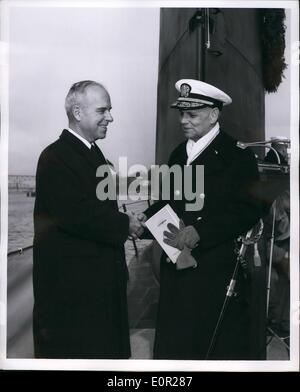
[271,257]
[230,288]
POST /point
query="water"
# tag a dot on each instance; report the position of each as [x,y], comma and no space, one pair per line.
[20,220]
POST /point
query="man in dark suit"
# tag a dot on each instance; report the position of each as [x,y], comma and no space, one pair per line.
[193,289]
[79,269]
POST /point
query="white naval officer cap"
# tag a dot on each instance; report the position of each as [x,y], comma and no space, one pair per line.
[195,94]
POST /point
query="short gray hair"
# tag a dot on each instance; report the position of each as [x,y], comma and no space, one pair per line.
[75,91]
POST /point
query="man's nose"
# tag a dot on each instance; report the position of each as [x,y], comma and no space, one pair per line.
[109,117]
[183,118]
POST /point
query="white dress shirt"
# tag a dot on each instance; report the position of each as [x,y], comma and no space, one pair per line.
[194,149]
[88,144]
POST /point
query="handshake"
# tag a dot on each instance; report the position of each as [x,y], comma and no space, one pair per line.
[136,224]
[184,238]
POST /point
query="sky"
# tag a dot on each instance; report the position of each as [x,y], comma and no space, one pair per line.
[53,47]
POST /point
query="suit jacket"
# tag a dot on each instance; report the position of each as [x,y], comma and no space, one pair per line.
[191,299]
[79,269]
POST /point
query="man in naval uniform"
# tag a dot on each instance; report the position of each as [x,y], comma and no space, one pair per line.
[79,269]
[193,290]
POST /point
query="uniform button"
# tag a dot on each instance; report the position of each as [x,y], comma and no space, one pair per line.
[216,152]
[199,218]
[202,195]
[177,192]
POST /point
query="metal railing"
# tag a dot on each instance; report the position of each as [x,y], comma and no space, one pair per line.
[19,250]
[123,206]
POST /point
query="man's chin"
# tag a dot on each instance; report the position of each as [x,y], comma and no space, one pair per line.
[187,134]
[102,135]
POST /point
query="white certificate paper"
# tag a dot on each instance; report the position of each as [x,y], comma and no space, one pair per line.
[157,224]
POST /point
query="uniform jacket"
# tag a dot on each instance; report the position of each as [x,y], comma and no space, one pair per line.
[191,299]
[79,269]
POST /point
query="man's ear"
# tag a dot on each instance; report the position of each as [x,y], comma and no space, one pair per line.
[76,111]
[214,115]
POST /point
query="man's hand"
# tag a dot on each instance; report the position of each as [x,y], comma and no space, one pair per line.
[135,225]
[184,236]
[142,218]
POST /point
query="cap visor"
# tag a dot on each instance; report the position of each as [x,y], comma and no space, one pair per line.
[183,105]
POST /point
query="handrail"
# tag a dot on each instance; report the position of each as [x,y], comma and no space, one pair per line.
[21,250]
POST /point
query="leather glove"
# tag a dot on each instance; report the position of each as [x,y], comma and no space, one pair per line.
[185,259]
[184,236]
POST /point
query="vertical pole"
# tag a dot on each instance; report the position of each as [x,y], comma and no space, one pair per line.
[132,239]
[135,248]
[271,257]
[201,45]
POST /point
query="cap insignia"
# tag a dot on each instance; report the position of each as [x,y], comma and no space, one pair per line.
[185,90]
